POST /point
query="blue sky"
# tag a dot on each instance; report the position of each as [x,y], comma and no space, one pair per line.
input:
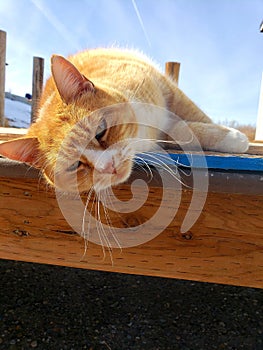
[217,43]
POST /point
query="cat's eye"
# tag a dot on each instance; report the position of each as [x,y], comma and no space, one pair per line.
[74,166]
[101,130]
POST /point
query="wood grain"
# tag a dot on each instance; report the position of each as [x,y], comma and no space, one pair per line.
[225,245]
[172,70]
[37,85]
[2,75]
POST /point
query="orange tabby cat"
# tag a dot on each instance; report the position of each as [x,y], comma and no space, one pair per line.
[74,109]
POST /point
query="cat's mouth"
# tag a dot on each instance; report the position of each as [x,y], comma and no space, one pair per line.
[119,175]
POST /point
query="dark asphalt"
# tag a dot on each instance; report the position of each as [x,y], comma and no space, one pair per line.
[49,307]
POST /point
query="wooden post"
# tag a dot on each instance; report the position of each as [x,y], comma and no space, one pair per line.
[172,70]
[2,75]
[259,129]
[38,74]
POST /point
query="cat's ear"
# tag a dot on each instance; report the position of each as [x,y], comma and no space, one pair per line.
[69,81]
[24,150]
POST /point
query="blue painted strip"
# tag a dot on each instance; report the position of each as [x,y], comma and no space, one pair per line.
[241,163]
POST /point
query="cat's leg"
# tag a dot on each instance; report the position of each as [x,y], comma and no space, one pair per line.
[183,107]
[210,136]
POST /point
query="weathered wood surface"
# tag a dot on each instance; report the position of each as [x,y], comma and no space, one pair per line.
[37,85]
[172,70]
[225,245]
[2,75]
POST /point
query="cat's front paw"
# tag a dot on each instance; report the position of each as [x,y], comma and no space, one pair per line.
[234,142]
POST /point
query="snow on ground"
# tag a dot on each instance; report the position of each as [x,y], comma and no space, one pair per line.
[17,113]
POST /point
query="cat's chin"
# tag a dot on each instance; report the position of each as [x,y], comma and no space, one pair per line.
[120,178]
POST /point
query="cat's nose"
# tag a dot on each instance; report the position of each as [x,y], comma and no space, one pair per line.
[107,168]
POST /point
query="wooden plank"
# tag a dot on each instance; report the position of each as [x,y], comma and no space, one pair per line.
[225,245]
[37,85]
[172,70]
[255,148]
[2,75]
[219,181]
[259,126]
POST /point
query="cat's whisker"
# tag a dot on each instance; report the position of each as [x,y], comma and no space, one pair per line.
[186,170]
[33,166]
[116,213]
[145,164]
[103,236]
[41,176]
[101,231]
[108,219]
[85,249]
[156,161]
[91,211]
[159,141]
[138,166]
[102,196]
[85,234]
[85,211]
[98,228]
[167,157]
[104,233]
[188,167]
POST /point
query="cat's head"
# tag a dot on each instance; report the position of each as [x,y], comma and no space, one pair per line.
[83,134]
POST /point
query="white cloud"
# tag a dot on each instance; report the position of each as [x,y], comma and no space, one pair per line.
[56,23]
